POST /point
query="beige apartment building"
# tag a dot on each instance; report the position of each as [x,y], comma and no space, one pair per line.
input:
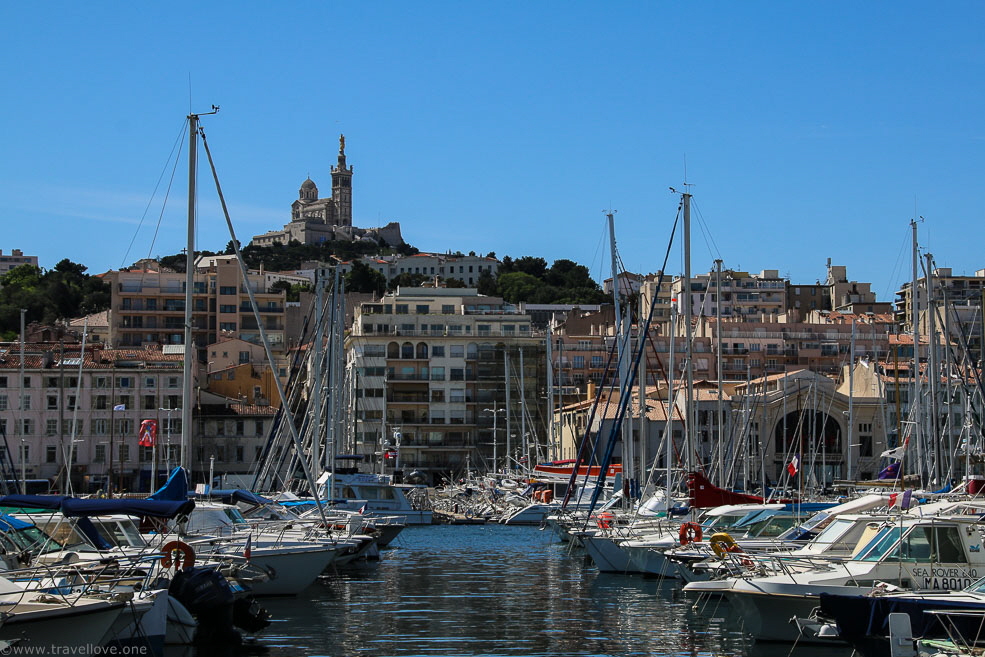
[148,306]
[441,368]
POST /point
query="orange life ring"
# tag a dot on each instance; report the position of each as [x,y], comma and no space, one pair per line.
[179,554]
[690,533]
[604,520]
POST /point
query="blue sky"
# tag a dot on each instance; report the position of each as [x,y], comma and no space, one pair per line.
[808,130]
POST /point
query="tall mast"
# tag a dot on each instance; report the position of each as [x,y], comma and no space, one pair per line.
[688,337]
[186,403]
[317,374]
[621,355]
[851,399]
[720,446]
[933,429]
[915,328]
[551,446]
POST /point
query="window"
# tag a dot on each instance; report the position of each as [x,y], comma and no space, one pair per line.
[438,351]
[26,402]
[26,427]
[67,427]
[100,427]
[3,382]
[239,454]
[124,452]
[596,362]
[27,382]
[174,382]
[51,382]
[52,402]
[149,402]
[578,362]
[227,326]
[3,402]
[124,382]
[447,309]
[99,455]
[422,309]
[227,289]
[456,351]
[240,427]
[457,374]
[402,308]
[150,381]
[258,427]
[50,454]
[227,308]
[50,427]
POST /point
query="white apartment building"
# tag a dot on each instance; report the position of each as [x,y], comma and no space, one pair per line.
[430,364]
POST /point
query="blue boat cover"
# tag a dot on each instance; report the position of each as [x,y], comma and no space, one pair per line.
[73,507]
[175,488]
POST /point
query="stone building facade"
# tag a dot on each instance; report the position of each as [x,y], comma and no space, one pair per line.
[315,219]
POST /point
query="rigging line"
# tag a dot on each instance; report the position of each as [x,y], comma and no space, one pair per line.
[705,231]
[178,144]
[904,249]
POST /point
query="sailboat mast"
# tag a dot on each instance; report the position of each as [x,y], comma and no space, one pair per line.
[186,404]
[915,328]
[621,356]
[933,429]
[851,399]
[688,337]
[317,374]
[720,446]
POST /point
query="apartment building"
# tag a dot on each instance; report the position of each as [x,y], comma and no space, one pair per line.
[14,259]
[464,268]
[148,306]
[93,402]
[440,368]
[957,302]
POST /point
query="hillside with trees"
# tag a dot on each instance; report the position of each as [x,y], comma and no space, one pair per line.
[64,292]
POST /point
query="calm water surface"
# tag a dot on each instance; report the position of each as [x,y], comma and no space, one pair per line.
[497,590]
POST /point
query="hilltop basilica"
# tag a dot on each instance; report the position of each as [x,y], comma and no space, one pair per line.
[315,220]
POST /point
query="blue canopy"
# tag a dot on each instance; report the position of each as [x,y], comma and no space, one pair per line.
[8,523]
[73,507]
[175,488]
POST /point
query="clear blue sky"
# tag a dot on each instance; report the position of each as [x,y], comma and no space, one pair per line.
[809,130]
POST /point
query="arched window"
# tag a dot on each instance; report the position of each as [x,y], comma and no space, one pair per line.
[407,350]
[472,351]
[393,350]
[422,351]
[825,437]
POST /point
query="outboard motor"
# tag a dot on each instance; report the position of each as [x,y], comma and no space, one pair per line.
[207,595]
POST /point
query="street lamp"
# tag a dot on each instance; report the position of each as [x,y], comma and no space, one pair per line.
[495,411]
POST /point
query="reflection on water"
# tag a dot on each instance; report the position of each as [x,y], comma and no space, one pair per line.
[496,590]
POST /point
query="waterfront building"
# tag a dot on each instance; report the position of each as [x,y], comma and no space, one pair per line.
[91,402]
[466,269]
[433,366]
[315,220]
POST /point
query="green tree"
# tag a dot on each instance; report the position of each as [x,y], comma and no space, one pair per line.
[519,286]
[363,278]
[406,280]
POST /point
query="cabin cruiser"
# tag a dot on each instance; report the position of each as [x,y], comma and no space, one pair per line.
[376,495]
[914,552]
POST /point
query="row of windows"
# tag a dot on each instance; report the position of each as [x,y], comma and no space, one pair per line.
[98,381]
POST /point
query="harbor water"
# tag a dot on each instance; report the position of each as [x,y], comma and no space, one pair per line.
[500,590]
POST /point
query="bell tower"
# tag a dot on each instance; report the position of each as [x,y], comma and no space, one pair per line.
[342,188]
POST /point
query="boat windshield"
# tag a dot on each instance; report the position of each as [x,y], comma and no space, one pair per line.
[833,535]
[234,515]
[33,540]
[880,544]
[772,527]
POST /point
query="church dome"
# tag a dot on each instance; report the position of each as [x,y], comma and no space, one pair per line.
[308,191]
[308,184]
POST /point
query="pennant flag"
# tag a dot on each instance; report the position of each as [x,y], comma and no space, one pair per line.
[120,407]
[148,433]
[891,471]
[247,549]
[794,466]
[362,509]
[896,453]
[892,500]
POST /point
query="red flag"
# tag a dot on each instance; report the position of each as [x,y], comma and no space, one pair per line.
[794,465]
[148,433]
[247,549]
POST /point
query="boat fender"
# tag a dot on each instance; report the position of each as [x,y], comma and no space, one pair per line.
[179,554]
[604,520]
[469,514]
[722,543]
[690,533]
